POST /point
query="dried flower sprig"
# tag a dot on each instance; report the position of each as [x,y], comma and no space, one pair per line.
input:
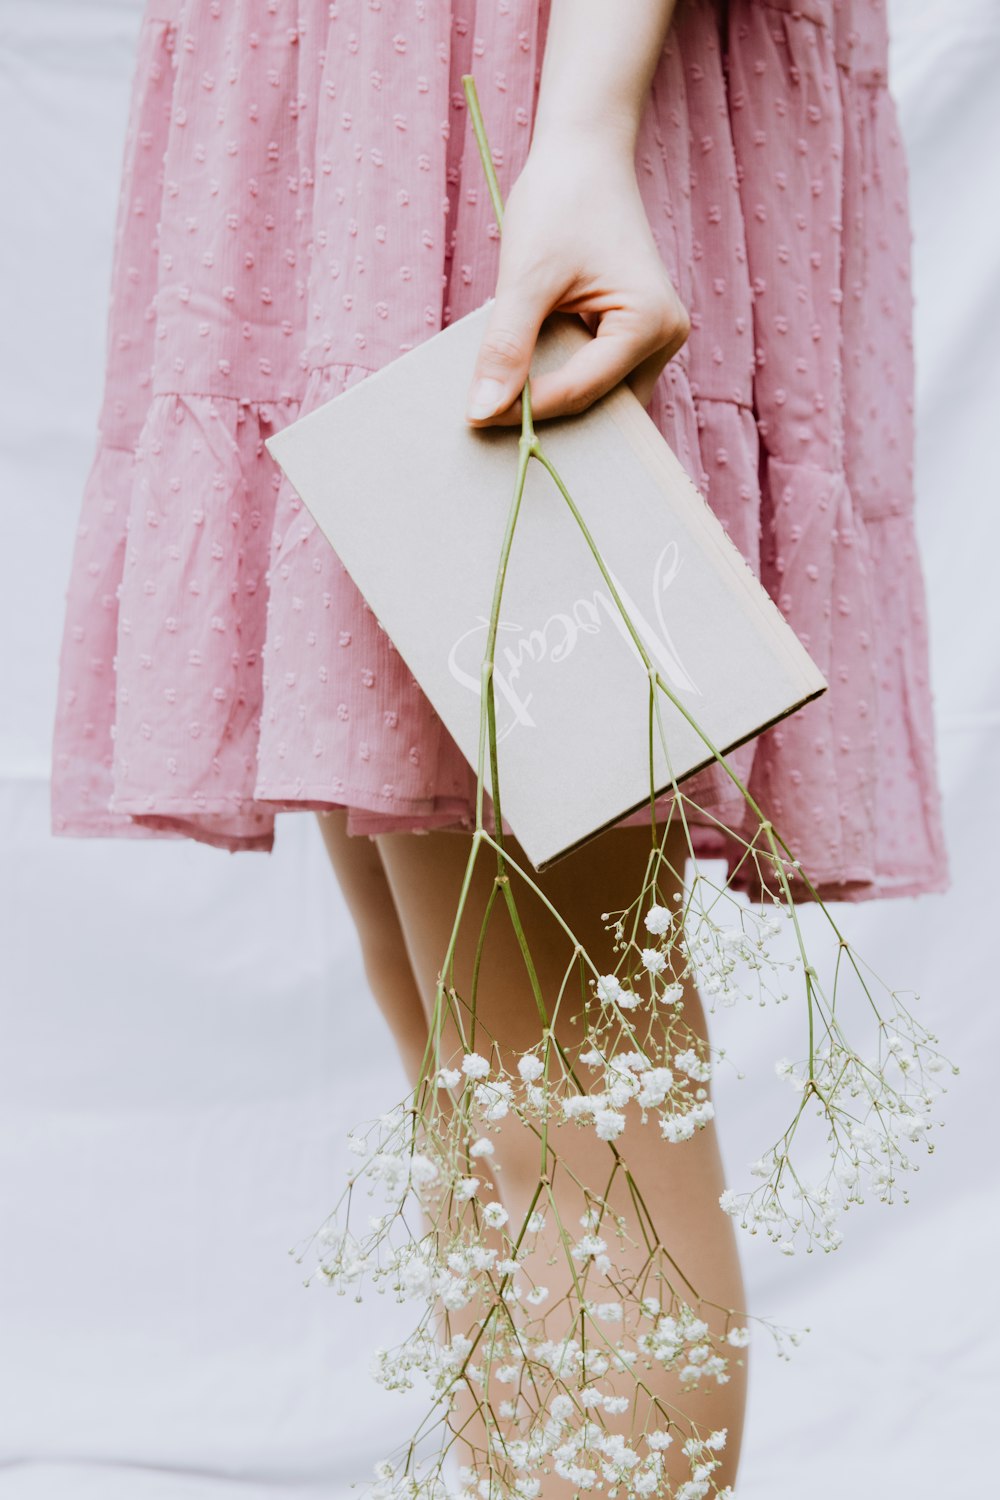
[560,1349]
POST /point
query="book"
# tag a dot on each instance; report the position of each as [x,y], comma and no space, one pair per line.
[415,503]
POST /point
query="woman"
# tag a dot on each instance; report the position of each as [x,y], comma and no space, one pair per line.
[721,192]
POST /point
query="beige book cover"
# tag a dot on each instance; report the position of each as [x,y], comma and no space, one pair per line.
[415,502]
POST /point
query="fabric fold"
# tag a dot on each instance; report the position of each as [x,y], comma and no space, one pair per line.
[192,618]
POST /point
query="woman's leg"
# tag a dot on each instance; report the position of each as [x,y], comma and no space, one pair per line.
[361,877]
[679,1182]
[360,873]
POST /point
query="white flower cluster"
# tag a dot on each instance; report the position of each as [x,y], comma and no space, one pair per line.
[866,1141]
[728,963]
[683,1343]
[564,1432]
[634,1076]
[578,1379]
[589,1458]
[583,1452]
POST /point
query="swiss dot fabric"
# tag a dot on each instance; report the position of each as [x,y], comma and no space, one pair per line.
[302,201]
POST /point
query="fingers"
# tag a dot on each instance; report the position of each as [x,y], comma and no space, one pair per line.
[645,375]
[627,344]
[504,357]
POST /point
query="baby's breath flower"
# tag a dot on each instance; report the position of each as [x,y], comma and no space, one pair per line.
[422,1169]
[494,1099]
[653,960]
[608,1124]
[656,1085]
[609,1312]
[690,1063]
[589,1246]
[608,989]
[657,920]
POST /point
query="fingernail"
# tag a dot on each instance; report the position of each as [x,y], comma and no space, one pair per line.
[485,399]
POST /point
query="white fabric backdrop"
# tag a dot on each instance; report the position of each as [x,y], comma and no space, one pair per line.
[187,1035]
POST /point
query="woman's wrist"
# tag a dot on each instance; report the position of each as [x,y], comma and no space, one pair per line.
[598,64]
[604,131]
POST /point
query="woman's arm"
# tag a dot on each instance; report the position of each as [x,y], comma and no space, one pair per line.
[600,57]
[575,234]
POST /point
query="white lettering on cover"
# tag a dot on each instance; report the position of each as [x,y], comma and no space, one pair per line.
[560,634]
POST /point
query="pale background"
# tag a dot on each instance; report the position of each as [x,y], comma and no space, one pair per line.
[188,1035]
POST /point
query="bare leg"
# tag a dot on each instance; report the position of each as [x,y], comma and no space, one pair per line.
[679,1182]
[361,877]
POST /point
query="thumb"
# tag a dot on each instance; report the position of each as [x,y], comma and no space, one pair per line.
[504,357]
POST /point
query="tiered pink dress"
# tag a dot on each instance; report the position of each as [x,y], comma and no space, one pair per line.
[302,201]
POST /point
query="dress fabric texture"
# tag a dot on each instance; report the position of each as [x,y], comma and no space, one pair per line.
[302,201]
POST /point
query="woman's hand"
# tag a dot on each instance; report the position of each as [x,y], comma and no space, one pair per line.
[575,238]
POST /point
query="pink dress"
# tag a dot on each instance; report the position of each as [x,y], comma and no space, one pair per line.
[303,201]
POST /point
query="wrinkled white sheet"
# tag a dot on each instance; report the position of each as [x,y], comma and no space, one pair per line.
[186,1035]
